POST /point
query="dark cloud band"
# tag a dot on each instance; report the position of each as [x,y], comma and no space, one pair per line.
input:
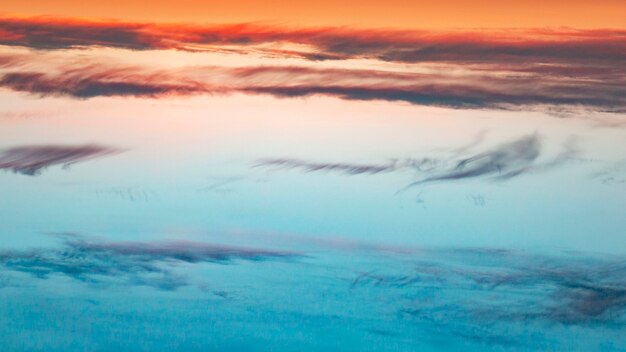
[540,45]
[492,90]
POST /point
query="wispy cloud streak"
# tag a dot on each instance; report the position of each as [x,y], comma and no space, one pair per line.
[136,263]
[503,162]
[352,169]
[32,160]
[468,90]
[559,289]
[500,163]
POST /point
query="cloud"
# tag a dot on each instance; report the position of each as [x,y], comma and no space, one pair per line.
[465,69]
[578,295]
[135,263]
[443,86]
[495,87]
[482,295]
[614,174]
[561,289]
[94,85]
[48,33]
[501,163]
[9,60]
[461,96]
[504,162]
[351,169]
[535,45]
[468,69]
[32,160]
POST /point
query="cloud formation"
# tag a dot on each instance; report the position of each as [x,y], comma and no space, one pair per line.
[481,295]
[135,263]
[32,160]
[559,289]
[538,45]
[485,90]
[351,169]
[503,162]
[458,69]
[500,163]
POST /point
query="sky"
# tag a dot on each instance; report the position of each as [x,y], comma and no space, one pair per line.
[280,176]
[369,13]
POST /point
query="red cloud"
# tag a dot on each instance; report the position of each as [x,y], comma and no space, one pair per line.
[539,46]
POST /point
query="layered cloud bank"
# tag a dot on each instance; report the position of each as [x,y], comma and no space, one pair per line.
[564,45]
[480,69]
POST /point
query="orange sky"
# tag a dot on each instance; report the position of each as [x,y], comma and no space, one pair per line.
[387,13]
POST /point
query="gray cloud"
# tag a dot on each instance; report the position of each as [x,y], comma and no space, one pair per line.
[32,160]
[481,295]
[133,263]
[565,290]
[462,95]
[500,163]
[583,48]
[503,162]
[503,70]
[351,169]
[478,88]
[496,297]
[89,85]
